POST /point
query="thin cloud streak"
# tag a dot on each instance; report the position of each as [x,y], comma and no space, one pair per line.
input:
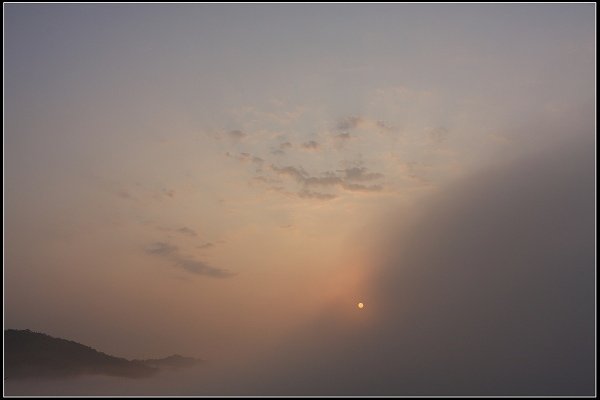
[172,254]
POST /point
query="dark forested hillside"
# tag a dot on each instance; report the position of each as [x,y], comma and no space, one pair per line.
[31,354]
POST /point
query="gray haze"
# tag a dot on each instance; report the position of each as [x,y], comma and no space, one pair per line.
[489,292]
[229,181]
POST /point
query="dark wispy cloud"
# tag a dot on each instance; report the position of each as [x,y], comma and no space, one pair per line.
[187,231]
[297,173]
[206,245]
[246,157]
[439,134]
[311,145]
[384,126]
[201,268]
[161,248]
[280,150]
[353,179]
[266,180]
[357,187]
[343,136]
[340,140]
[169,193]
[309,194]
[346,181]
[184,230]
[360,174]
[348,124]
[327,179]
[236,134]
[172,254]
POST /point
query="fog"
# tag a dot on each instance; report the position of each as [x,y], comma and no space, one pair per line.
[487,290]
[490,291]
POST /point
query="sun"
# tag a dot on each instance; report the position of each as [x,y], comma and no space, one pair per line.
[360,305]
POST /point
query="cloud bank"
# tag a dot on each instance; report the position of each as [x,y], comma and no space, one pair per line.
[489,292]
[174,255]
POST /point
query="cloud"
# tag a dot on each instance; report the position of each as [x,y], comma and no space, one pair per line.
[169,193]
[266,180]
[343,136]
[311,145]
[308,194]
[297,173]
[303,194]
[350,179]
[206,245]
[356,187]
[331,179]
[327,180]
[172,254]
[301,176]
[360,174]
[438,135]
[187,231]
[201,268]
[348,123]
[236,134]
[488,290]
[161,249]
[384,126]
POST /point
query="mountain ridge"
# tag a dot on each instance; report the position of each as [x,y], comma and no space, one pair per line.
[29,354]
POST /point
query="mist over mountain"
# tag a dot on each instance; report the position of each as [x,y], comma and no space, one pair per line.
[36,355]
[173,362]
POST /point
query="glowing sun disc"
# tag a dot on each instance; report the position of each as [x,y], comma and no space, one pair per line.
[360,305]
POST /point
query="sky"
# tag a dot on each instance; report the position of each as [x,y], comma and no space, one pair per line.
[228,181]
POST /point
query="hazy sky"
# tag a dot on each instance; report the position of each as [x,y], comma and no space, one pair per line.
[226,180]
